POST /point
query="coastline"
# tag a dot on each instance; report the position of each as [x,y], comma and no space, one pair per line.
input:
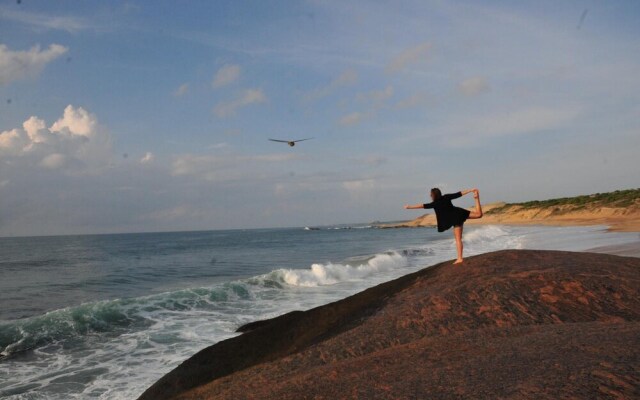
[625,249]
[484,329]
[395,253]
[617,219]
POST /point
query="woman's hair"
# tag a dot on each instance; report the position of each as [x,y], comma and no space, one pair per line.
[436,194]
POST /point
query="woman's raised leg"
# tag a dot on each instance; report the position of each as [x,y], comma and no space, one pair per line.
[477,213]
[457,234]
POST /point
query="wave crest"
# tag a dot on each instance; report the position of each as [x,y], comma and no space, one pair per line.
[332,273]
[113,317]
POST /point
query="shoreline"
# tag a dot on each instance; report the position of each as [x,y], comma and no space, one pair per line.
[488,238]
[613,225]
[630,249]
[610,226]
[616,219]
[625,249]
[491,327]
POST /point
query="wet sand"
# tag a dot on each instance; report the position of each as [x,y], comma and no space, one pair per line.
[627,249]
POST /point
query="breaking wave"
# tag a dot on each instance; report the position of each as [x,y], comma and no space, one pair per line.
[120,316]
[111,317]
[330,273]
[492,237]
[116,317]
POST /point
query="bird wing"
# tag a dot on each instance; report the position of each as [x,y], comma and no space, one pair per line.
[279,141]
[302,140]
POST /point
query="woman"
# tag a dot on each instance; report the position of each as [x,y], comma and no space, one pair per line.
[449,215]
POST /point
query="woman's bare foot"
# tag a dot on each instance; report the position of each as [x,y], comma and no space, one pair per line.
[458,261]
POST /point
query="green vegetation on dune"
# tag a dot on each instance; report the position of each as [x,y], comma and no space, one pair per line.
[617,199]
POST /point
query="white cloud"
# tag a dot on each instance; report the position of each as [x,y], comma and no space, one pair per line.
[371,160]
[148,158]
[279,157]
[12,142]
[76,121]
[53,161]
[408,57]
[473,86]
[35,129]
[226,75]
[374,100]
[523,121]
[181,90]
[247,97]
[359,187]
[377,96]
[74,139]
[46,21]
[225,168]
[348,77]
[217,146]
[410,102]
[351,119]
[16,65]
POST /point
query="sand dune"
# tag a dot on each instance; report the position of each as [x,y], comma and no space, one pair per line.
[621,219]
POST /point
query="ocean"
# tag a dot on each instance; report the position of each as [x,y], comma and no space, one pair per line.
[105,316]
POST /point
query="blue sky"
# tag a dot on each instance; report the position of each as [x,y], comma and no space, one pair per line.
[152,116]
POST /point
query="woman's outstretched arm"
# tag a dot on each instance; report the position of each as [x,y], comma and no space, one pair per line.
[413,207]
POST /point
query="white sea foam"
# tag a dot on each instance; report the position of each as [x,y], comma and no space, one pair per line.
[330,273]
[491,238]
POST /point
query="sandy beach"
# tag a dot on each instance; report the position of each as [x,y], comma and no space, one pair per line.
[618,219]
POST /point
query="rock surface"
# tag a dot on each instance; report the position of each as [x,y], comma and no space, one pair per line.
[509,324]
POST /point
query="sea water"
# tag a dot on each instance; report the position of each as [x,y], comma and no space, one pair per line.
[105,316]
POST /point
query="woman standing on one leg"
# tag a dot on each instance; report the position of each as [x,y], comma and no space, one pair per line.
[449,215]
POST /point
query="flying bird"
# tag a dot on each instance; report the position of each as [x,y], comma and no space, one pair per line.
[290,142]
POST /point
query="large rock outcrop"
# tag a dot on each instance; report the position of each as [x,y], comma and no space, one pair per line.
[509,324]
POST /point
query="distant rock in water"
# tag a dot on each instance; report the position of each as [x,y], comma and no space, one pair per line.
[508,324]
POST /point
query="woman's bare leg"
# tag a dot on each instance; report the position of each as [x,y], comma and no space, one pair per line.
[477,213]
[457,233]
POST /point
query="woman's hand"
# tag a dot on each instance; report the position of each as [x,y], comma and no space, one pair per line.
[467,191]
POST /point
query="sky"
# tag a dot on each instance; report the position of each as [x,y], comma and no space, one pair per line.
[138,116]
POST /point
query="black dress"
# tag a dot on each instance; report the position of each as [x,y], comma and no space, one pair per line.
[447,214]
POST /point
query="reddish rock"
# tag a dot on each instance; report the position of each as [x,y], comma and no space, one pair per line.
[510,324]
